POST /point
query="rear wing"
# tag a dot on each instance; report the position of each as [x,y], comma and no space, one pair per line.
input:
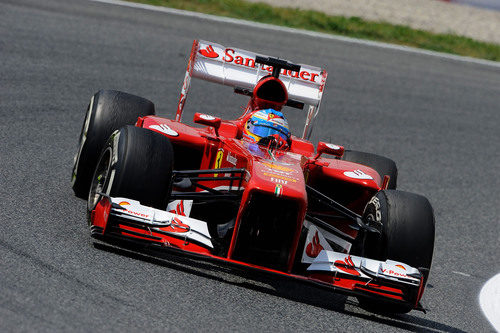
[237,68]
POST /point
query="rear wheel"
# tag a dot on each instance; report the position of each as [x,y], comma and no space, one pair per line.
[135,163]
[108,111]
[383,165]
[406,223]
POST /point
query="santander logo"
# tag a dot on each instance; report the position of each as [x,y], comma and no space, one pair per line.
[209,52]
[179,210]
[231,56]
[178,226]
[347,266]
[314,247]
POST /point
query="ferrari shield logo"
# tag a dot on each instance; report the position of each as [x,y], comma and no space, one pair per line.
[218,160]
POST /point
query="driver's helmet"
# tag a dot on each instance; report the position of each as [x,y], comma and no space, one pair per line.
[264,123]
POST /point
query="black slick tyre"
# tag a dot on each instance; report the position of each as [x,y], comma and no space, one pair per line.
[383,165]
[406,224]
[108,111]
[135,163]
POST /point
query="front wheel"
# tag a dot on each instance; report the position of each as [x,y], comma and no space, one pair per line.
[135,163]
[406,224]
[108,111]
[383,165]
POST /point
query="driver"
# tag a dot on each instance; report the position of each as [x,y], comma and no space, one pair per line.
[267,127]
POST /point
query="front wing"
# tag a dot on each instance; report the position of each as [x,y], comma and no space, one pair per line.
[384,280]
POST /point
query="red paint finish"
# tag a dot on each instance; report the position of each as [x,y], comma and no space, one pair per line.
[314,248]
[100,214]
[275,173]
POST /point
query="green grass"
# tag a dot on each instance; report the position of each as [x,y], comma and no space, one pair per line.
[339,25]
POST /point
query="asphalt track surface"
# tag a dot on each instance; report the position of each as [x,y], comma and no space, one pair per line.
[438,118]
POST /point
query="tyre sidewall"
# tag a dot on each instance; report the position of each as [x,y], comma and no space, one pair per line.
[406,223]
[108,111]
[141,166]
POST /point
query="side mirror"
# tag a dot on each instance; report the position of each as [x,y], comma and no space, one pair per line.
[329,148]
[206,119]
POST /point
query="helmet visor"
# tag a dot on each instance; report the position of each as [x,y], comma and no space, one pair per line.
[263,129]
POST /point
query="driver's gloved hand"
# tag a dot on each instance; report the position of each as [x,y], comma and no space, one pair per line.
[275,141]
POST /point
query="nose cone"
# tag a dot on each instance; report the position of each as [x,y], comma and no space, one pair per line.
[284,180]
[274,205]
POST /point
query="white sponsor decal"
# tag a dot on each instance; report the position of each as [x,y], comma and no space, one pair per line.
[364,267]
[394,273]
[315,243]
[164,129]
[330,238]
[206,117]
[180,207]
[357,174]
[279,181]
[231,159]
[332,146]
[173,223]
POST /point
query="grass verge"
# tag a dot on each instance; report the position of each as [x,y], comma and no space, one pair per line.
[345,26]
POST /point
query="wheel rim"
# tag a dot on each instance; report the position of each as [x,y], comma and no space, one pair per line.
[100,181]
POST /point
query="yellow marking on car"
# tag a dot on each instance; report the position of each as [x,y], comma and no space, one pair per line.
[218,160]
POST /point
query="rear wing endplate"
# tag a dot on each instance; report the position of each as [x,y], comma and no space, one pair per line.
[237,68]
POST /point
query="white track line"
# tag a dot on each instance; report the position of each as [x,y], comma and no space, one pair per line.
[460,273]
[489,300]
[299,32]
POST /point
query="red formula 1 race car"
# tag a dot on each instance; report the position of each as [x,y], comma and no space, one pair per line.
[249,193]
